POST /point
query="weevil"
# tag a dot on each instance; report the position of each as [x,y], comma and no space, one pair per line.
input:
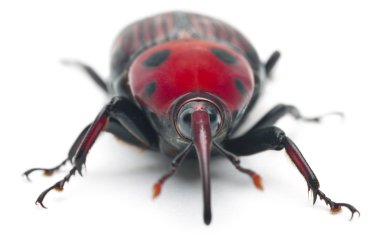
[183,83]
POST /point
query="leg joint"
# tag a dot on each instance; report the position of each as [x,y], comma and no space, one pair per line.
[279,137]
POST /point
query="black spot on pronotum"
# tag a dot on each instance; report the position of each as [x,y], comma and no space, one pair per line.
[157,58]
[224,56]
[150,89]
[240,86]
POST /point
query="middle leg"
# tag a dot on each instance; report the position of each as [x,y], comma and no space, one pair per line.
[281,110]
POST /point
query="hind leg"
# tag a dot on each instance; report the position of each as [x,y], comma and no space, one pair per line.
[90,71]
[281,110]
[271,62]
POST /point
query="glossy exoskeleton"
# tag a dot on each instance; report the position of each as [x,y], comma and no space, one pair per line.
[183,82]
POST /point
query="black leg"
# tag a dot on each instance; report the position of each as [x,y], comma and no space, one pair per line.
[120,132]
[281,110]
[127,115]
[271,62]
[91,72]
[174,166]
[113,127]
[256,179]
[73,149]
[255,141]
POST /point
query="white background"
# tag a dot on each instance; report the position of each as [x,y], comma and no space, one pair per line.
[330,62]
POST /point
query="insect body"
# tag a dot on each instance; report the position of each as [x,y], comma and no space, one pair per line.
[181,83]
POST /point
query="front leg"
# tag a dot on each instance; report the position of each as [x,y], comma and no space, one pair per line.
[120,110]
[70,156]
[79,158]
[273,138]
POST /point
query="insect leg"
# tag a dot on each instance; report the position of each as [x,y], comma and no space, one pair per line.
[282,110]
[120,132]
[273,138]
[174,166]
[256,179]
[113,110]
[73,149]
[271,62]
[126,115]
[113,127]
[90,71]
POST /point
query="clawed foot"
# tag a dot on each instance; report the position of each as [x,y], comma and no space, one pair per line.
[318,119]
[334,207]
[46,171]
[256,179]
[158,185]
[57,186]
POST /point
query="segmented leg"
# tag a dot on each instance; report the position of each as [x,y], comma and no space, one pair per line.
[57,186]
[90,71]
[282,110]
[73,149]
[312,181]
[255,141]
[256,179]
[79,158]
[174,166]
[113,127]
[271,62]
[128,116]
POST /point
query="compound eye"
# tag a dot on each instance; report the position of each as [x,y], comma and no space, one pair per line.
[184,122]
[215,120]
[184,118]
